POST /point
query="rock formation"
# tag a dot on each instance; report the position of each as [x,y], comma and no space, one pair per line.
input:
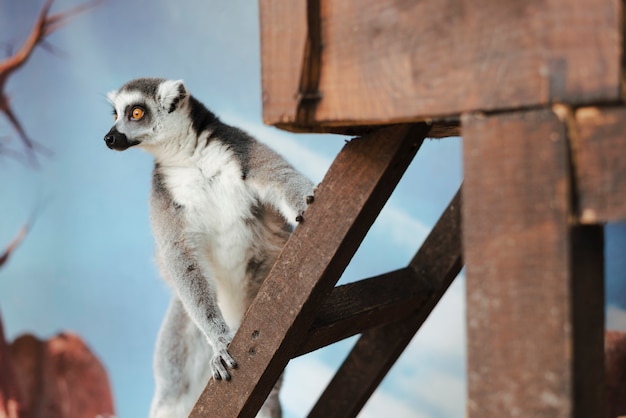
[56,378]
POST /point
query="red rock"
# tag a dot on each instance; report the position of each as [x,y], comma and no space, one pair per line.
[615,373]
[57,378]
[9,390]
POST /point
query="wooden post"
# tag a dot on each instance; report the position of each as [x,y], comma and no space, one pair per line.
[534,278]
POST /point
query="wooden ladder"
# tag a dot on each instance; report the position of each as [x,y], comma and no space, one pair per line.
[299,310]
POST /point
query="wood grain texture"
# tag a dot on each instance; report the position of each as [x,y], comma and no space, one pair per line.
[394,61]
[526,319]
[360,180]
[284,25]
[355,307]
[437,262]
[599,147]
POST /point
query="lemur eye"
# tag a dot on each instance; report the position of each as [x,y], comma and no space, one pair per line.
[137,113]
[114,115]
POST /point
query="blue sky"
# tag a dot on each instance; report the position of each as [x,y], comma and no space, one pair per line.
[87,266]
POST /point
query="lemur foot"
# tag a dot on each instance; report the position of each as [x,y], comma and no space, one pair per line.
[221,361]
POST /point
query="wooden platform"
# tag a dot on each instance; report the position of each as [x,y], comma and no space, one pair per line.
[535,89]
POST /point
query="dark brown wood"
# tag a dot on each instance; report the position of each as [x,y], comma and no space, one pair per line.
[526,319]
[348,200]
[355,307]
[439,129]
[587,283]
[599,147]
[389,61]
[438,262]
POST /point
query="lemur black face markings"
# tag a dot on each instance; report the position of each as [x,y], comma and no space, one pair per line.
[222,206]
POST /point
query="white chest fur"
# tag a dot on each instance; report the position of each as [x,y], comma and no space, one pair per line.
[217,205]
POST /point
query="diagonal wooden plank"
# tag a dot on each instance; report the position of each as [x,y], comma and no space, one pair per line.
[355,307]
[438,262]
[347,201]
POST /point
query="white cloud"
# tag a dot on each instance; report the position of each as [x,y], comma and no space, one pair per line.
[431,371]
[404,230]
[305,380]
[444,330]
[307,377]
[385,404]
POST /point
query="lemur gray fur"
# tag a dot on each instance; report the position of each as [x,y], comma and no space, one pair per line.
[222,206]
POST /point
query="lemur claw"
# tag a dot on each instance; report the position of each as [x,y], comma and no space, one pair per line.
[308,199]
[221,362]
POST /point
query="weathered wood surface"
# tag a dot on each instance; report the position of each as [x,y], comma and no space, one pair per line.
[360,180]
[437,262]
[355,307]
[396,61]
[599,150]
[534,339]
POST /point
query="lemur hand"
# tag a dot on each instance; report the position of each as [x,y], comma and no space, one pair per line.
[221,360]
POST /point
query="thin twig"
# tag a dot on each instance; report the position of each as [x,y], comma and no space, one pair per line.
[43,27]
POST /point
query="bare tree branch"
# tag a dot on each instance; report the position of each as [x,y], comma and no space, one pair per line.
[14,244]
[21,234]
[43,27]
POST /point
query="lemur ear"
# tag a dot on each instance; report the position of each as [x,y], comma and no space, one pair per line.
[111,96]
[171,94]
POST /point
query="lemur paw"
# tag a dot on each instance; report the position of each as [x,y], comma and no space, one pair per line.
[222,361]
[308,199]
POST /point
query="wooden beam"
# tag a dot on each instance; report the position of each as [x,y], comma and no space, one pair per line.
[534,313]
[347,201]
[599,146]
[355,307]
[438,262]
[389,62]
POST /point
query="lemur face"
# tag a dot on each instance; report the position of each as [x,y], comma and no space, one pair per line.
[146,112]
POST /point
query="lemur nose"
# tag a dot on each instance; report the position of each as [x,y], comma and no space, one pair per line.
[110,140]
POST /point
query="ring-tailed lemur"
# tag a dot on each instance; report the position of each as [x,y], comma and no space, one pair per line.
[222,206]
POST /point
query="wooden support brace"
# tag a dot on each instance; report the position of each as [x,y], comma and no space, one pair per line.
[355,307]
[357,185]
[534,278]
[438,262]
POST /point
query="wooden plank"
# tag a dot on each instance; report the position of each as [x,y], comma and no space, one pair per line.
[347,201]
[284,26]
[355,307]
[438,262]
[396,61]
[526,319]
[599,147]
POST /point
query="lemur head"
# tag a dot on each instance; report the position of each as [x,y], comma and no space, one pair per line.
[147,111]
